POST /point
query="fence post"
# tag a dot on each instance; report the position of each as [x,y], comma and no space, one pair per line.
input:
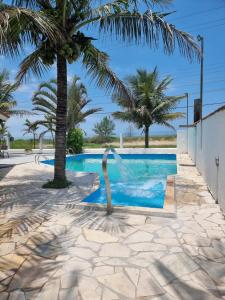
[121,141]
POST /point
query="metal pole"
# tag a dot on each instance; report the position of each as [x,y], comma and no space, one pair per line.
[201,40]
[107,183]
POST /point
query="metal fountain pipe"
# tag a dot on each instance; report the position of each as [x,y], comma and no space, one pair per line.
[106,177]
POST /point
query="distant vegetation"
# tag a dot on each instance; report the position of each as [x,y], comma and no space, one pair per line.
[165,141]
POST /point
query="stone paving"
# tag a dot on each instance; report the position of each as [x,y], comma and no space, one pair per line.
[52,250]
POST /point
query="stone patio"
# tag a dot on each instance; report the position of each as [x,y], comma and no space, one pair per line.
[52,250]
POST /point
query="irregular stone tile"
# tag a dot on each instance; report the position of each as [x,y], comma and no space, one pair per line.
[175,249]
[88,288]
[147,285]
[99,236]
[119,283]
[109,295]
[147,247]
[166,232]
[202,278]
[81,242]
[188,291]
[195,240]
[219,245]
[69,280]
[133,274]
[141,262]
[68,294]
[190,250]
[6,248]
[210,252]
[11,262]
[215,234]
[76,264]
[34,273]
[139,236]
[214,270]
[149,227]
[4,296]
[114,250]
[217,218]
[135,220]
[116,262]
[167,241]
[81,252]
[172,266]
[103,270]
[149,256]
[50,291]
[17,295]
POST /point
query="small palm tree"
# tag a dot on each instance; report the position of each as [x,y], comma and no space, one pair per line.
[31,128]
[57,31]
[150,104]
[7,101]
[45,101]
[104,129]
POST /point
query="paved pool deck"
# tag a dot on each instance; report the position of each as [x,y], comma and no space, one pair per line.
[52,250]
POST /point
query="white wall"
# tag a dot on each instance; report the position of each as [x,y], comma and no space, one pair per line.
[204,151]
[182,141]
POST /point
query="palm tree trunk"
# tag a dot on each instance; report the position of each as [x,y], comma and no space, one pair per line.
[53,141]
[146,136]
[60,135]
[34,140]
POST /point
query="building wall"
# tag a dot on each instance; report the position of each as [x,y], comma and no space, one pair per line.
[206,149]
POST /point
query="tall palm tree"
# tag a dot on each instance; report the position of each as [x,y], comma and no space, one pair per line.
[45,101]
[31,128]
[120,18]
[150,103]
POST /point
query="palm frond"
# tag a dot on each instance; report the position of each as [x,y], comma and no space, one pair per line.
[19,26]
[32,64]
[149,29]
[96,63]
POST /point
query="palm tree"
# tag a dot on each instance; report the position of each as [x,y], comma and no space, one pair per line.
[45,101]
[150,104]
[67,43]
[31,128]
[7,101]
[77,101]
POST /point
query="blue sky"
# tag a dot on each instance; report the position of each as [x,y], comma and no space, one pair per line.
[205,17]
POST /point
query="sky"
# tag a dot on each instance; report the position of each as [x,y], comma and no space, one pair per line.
[204,17]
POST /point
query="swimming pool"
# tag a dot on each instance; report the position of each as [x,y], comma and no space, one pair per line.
[140,181]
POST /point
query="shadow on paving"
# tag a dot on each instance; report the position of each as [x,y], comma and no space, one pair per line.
[208,284]
[100,220]
[36,264]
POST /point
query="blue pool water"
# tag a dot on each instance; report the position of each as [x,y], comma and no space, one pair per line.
[140,181]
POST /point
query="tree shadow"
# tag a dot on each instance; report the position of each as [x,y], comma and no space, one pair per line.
[40,262]
[95,219]
[207,285]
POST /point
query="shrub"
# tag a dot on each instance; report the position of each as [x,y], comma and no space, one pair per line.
[75,140]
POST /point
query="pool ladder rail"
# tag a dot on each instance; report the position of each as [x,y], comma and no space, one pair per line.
[106,177]
[40,155]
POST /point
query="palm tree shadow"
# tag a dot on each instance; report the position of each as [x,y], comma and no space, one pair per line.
[186,289]
[94,219]
[39,264]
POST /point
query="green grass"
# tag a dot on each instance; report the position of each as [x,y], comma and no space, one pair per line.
[92,143]
[28,144]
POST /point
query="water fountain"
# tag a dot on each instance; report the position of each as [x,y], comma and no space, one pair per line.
[125,172]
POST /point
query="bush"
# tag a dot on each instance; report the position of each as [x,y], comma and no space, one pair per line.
[75,140]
